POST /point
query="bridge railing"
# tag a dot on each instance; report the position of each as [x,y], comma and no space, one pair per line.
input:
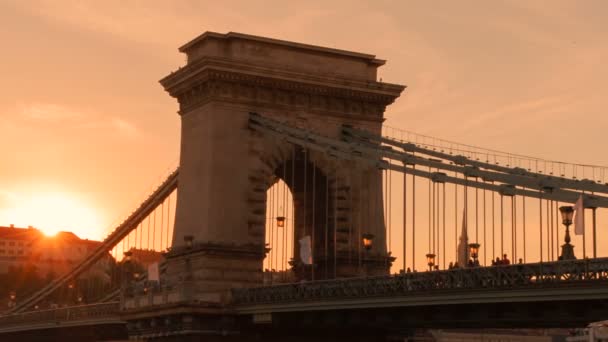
[65,314]
[504,276]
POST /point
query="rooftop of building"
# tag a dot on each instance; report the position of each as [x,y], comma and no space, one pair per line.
[31,233]
[15,233]
[145,256]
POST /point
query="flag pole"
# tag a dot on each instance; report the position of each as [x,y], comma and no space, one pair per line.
[594,233]
[584,235]
[579,221]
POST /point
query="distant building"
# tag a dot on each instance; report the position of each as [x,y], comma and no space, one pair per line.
[594,332]
[145,257]
[16,243]
[22,247]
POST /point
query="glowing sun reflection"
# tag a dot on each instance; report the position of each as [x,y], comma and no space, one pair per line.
[52,213]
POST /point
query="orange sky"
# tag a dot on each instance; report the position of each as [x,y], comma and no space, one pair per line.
[82,114]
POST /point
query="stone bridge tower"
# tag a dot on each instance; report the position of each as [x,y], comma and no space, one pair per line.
[226,168]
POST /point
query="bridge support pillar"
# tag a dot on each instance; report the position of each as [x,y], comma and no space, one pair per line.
[226,167]
[203,272]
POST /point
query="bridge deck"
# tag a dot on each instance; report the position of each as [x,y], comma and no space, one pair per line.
[575,280]
[562,280]
[82,315]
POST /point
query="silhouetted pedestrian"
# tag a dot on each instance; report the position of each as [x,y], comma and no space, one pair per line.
[505,260]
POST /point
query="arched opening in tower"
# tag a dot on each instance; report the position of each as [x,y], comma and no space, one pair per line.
[308,234]
[279,232]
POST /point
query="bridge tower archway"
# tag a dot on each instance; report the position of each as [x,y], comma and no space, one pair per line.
[334,204]
[312,182]
[226,167]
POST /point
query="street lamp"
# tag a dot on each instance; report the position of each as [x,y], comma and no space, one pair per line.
[368,240]
[12,299]
[567,249]
[474,251]
[126,269]
[567,214]
[280,221]
[70,293]
[430,260]
[127,256]
[188,239]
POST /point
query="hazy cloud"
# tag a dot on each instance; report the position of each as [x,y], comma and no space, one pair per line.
[7,199]
[135,21]
[53,114]
[124,127]
[48,112]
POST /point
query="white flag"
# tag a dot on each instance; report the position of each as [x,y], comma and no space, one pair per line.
[153,272]
[579,216]
[305,250]
[463,249]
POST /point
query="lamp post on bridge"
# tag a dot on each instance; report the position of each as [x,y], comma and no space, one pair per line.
[367,240]
[12,299]
[126,269]
[567,249]
[474,252]
[188,285]
[189,240]
[280,221]
[430,260]
[70,297]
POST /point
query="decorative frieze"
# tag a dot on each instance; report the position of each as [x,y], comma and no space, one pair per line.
[240,87]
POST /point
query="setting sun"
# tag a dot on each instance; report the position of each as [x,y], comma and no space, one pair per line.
[52,213]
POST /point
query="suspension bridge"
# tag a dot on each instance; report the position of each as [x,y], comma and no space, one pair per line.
[294,211]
